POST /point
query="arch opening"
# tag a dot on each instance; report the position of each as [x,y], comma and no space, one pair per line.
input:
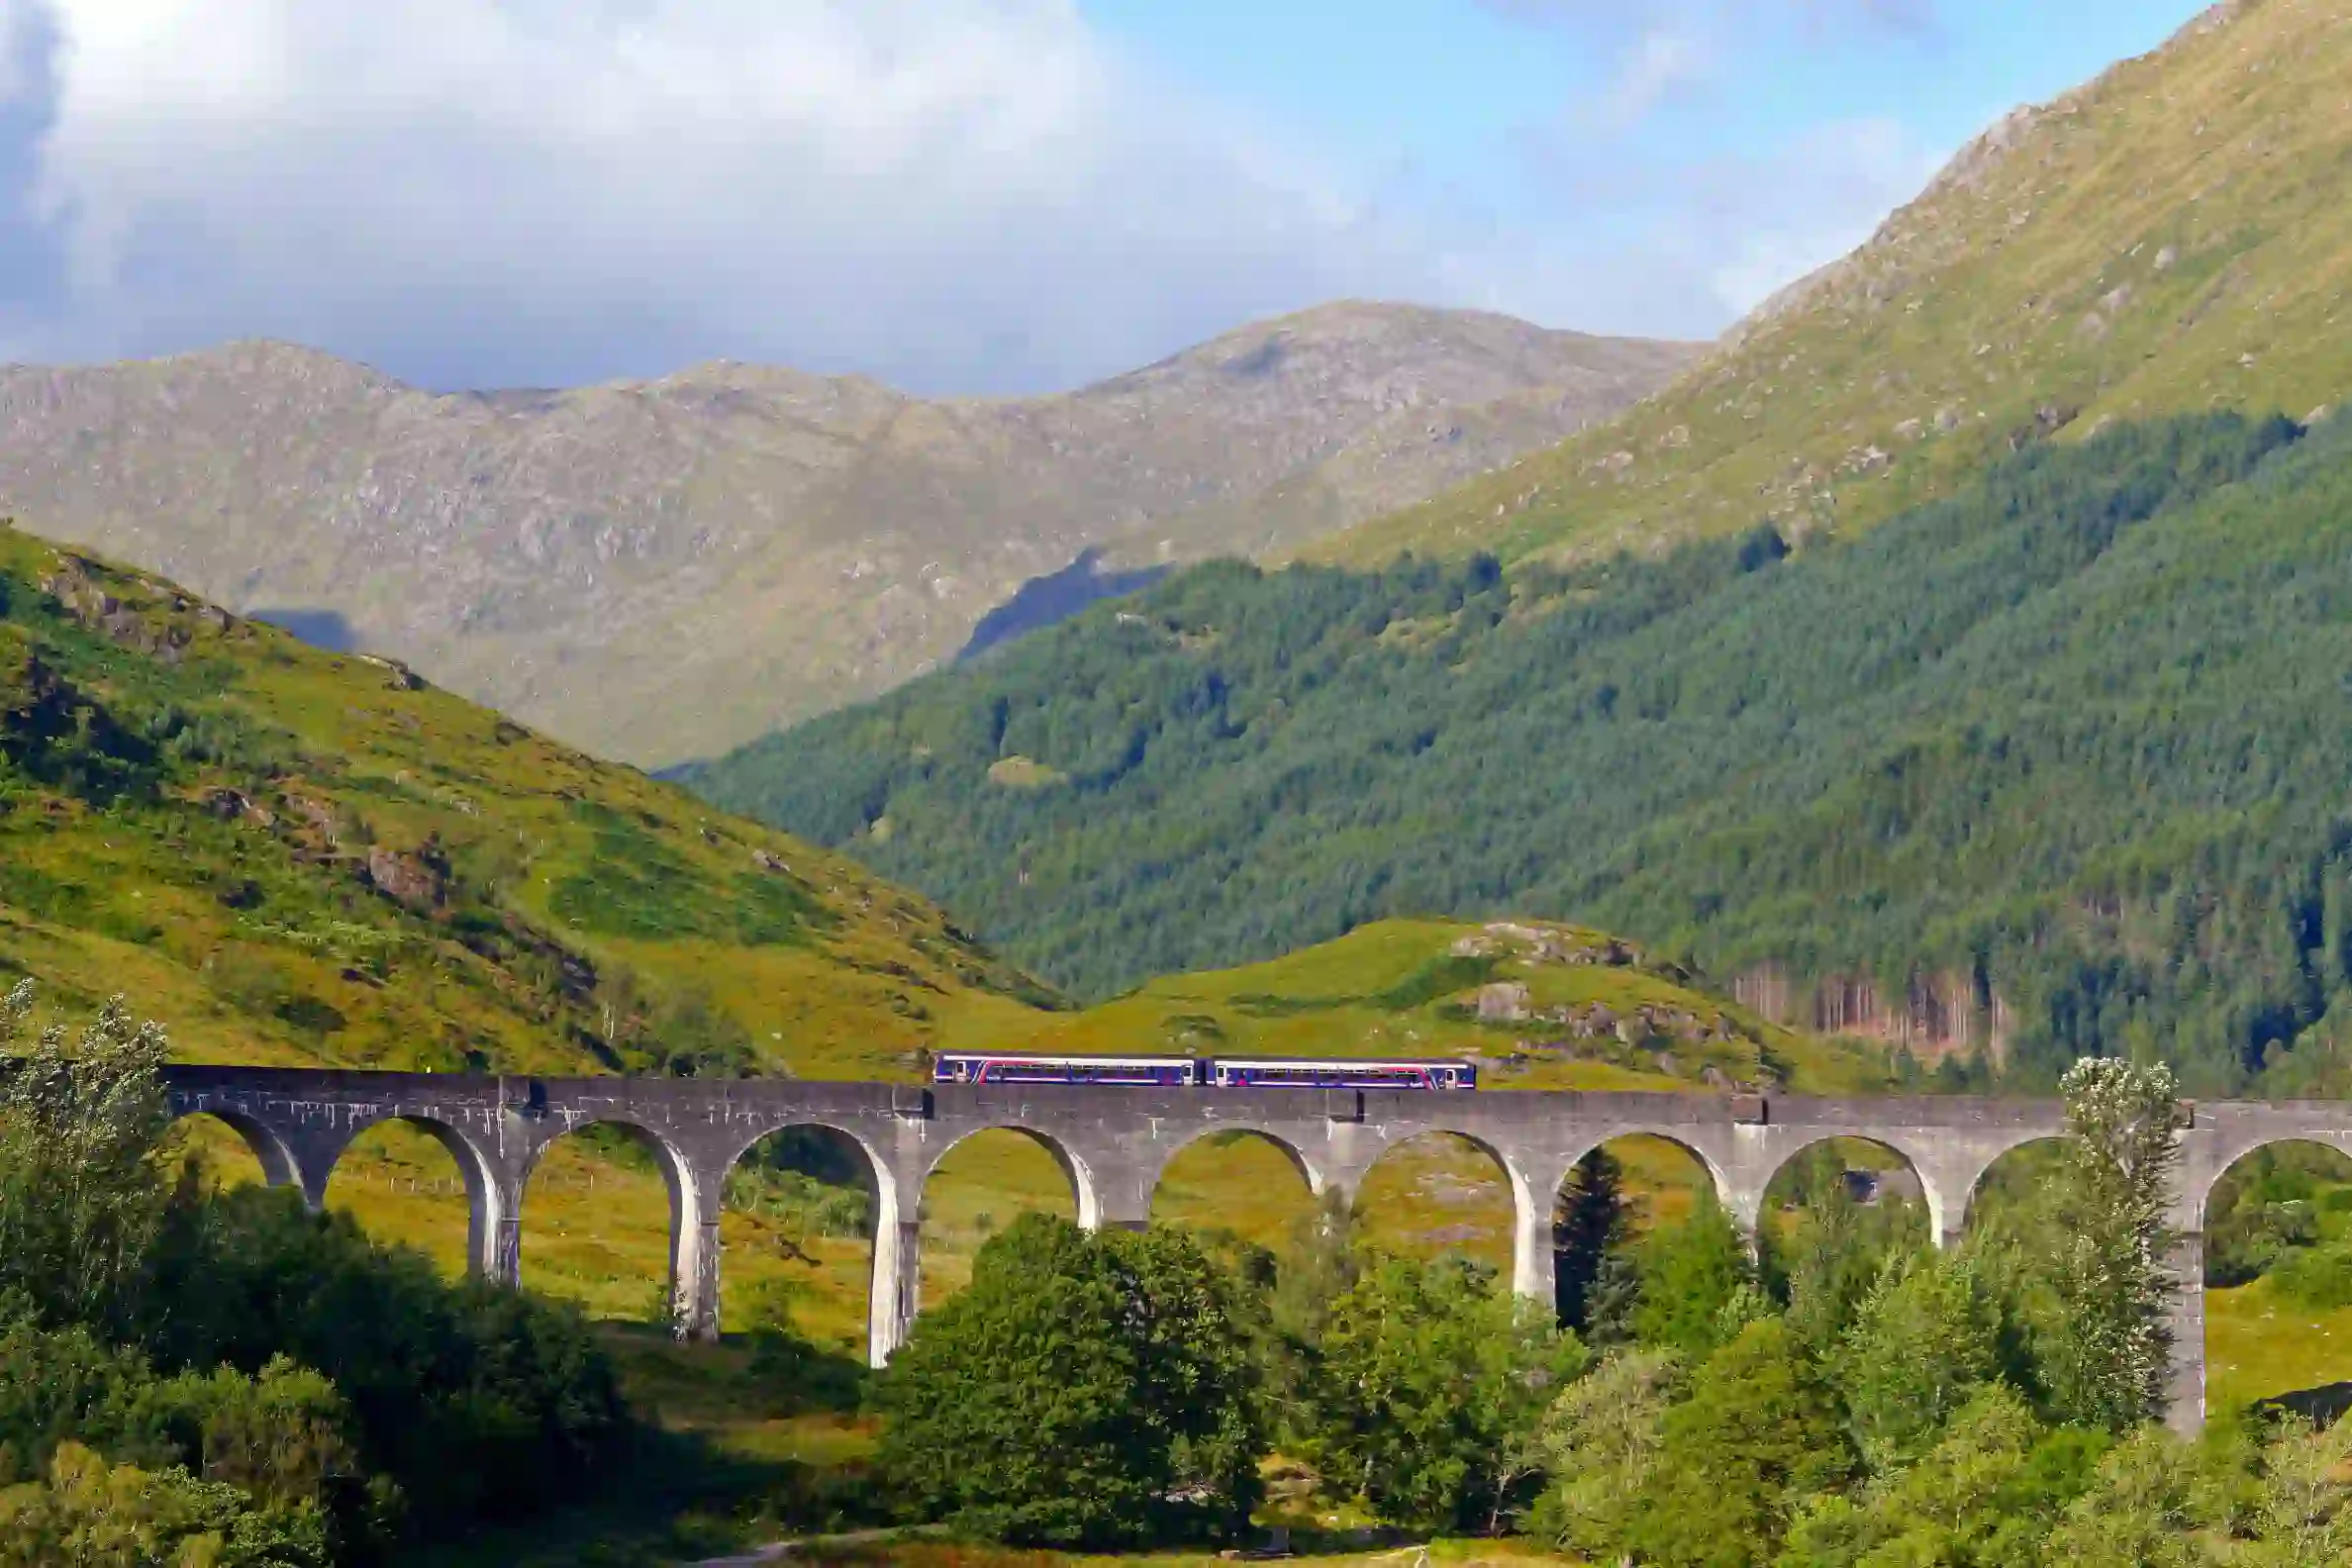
[407,1182]
[2013,1190]
[1618,1193]
[1238,1184]
[224,1151]
[2278,1279]
[1441,1195]
[602,1206]
[979,1185]
[1833,1212]
[798,1220]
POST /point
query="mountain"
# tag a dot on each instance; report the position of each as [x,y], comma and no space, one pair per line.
[660,570]
[2051,767]
[299,856]
[2175,236]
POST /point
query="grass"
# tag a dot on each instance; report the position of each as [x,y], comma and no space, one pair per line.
[573,906]
[2175,236]
[1401,988]
[2258,1345]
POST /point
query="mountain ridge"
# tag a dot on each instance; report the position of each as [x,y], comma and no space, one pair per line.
[659,570]
[2173,235]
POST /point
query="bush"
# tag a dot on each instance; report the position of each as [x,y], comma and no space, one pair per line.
[2319,1278]
[1758,1436]
[1085,1390]
[1433,1385]
[480,1401]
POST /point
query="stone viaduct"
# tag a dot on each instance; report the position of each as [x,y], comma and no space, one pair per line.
[1114,1145]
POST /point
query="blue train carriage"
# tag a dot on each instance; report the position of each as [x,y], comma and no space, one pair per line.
[1233,1072]
[1023,1067]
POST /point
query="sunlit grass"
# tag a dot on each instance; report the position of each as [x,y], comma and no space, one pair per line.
[2259,1344]
[1437,1196]
[981,1186]
[1236,1183]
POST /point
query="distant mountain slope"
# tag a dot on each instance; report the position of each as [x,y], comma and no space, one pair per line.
[2174,236]
[660,571]
[2053,767]
[297,856]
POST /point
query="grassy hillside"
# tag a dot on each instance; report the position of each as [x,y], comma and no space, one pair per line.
[296,856]
[2174,236]
[2064,751]
[1567,1008]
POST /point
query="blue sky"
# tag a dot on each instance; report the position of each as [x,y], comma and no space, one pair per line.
[956,195]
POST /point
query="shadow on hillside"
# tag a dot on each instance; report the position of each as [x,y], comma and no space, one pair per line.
[737,1443]
[2323,1405]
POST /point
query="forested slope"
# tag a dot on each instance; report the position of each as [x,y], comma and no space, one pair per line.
[2078,734]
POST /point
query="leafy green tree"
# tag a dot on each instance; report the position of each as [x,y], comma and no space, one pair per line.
[1757,1436]
[1600,1439]
[2305,1510]
[481,1402]
[1433,1382]
[85,1512]
[2104,1357]
[2139,1512]
[1083,1389]
[82,1197]
[1829,1260]
[1695,1277]
[1925,1336]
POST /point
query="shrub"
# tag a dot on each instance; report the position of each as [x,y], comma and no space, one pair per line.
[1084,1390]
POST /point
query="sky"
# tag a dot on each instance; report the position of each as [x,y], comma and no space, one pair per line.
[957,196]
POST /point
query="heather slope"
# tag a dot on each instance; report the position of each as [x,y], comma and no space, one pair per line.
[298,856]
[2174,236]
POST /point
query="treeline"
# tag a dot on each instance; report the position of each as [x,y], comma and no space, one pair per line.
[2077,731]
[190,1378]
[1848,1398]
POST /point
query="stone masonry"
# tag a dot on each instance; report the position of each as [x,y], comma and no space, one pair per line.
[1114,1145]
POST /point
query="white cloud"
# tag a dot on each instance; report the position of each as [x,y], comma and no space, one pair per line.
[1851,175]
[1662,62]
[955,193]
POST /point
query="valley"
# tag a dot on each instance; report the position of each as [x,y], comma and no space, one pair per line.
[1934,687]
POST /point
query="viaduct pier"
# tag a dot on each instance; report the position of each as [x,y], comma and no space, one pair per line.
[1113,1143]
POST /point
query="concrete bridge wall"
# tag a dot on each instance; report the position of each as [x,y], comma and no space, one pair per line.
[1115,1144]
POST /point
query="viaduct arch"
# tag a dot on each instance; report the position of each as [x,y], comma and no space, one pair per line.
[1115,1144]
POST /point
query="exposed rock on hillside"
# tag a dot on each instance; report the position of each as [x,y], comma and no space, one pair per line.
[661,570]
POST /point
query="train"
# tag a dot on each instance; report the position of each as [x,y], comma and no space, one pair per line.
[1201,1072]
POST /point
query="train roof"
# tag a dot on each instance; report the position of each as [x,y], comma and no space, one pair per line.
[1054,1057]
[1345,1062]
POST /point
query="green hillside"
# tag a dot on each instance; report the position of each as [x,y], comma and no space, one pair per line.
[2076,736]
[2173,237]
[296,856]
[1563,1008]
